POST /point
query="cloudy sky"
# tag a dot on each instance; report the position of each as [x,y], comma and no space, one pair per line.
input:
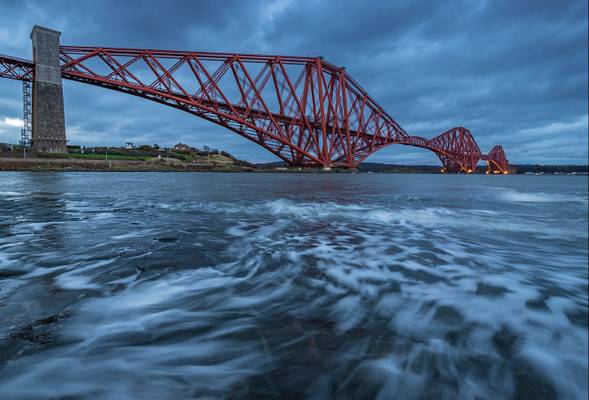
[513,72]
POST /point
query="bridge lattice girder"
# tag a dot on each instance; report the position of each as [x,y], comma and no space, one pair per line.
[303,109]
[457,150]
[496,160]
[16,68]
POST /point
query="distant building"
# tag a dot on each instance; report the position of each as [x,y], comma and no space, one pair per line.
[183,147]
[129,145]
[5,147]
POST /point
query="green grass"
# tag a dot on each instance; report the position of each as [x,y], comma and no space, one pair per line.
[215,158]
[96,156]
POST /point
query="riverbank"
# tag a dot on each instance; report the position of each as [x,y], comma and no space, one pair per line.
[220,163]
[72,164]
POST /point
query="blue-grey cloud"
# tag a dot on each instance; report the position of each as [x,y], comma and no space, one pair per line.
[513,72]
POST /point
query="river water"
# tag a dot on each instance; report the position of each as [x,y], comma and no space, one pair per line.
[190,285]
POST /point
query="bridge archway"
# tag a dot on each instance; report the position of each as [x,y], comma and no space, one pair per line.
[450,163]
[304,110]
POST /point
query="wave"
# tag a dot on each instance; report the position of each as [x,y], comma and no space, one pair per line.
[538,197]
[408,297]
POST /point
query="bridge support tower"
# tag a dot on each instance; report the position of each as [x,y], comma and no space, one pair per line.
[48,111]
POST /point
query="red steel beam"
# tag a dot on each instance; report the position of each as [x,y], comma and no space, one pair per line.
[16,68]
[300,119]
[304,110]
[497,162]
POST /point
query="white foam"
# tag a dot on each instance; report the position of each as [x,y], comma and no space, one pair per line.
[348,265]
[538,197]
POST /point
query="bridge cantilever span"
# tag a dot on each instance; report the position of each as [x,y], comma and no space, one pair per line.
[304,110]
[16,68]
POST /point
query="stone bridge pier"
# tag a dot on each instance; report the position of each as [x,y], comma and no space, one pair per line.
[48,111]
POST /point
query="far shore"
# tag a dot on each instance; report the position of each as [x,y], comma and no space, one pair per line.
[224,164]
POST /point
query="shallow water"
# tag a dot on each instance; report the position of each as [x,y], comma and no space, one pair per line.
[164,285]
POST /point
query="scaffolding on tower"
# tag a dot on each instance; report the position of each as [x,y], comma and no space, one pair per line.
[25,133]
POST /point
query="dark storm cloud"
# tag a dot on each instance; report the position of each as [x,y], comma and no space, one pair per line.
[513,72]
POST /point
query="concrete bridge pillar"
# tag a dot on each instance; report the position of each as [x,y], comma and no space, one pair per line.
[48,112]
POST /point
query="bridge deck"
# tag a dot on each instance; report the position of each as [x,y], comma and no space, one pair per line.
[325,117]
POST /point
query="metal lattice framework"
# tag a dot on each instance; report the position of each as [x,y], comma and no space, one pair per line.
[16,68]
[27,105]
[304,110]
[497,161]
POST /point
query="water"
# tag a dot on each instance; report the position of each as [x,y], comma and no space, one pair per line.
[153,286]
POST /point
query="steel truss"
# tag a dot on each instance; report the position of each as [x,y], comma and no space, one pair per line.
[26,131]
[305,110]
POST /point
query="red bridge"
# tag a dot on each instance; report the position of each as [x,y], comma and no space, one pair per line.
[304,110]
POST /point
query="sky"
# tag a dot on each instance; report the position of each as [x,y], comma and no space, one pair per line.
[513,72]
